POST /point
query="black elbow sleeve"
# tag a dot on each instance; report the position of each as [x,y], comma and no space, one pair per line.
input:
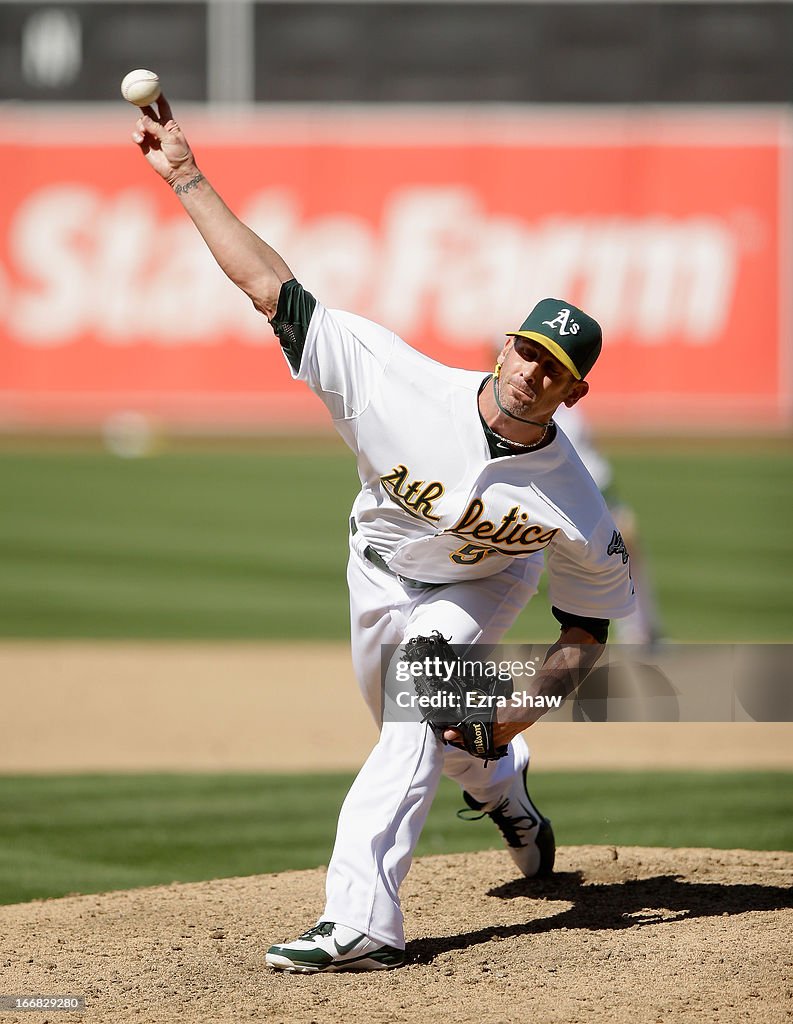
[599,628]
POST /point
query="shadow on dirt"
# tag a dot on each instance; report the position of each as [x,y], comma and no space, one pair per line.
[610,906]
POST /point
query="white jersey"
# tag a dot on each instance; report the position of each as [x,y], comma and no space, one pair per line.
[434,503]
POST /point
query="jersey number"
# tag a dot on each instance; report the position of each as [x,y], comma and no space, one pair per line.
[470,554]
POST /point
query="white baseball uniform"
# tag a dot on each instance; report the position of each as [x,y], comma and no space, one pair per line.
[435,507]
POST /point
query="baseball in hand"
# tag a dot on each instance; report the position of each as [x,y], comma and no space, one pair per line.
[141,87]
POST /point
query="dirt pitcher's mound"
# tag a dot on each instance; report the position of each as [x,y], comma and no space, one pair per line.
[628,934]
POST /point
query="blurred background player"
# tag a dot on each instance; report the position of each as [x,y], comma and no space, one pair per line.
[643,625]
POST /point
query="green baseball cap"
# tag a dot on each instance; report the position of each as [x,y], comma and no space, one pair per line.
[566,332]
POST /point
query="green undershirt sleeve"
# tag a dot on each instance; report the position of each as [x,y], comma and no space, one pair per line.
[292,317]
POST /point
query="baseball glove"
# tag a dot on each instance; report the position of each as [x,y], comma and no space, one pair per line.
[455,694]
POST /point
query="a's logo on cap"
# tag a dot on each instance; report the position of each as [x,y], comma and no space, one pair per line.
[563,322]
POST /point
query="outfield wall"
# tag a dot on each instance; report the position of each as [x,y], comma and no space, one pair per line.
[445,223]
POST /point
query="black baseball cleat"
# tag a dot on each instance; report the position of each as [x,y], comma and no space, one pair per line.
[528,835]
[333,947]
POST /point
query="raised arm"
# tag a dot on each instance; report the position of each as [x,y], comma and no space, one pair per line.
[253,265]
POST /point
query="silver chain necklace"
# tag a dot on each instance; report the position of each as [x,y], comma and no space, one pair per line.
[517,444]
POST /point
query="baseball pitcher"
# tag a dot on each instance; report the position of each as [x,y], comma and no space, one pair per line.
[468,489]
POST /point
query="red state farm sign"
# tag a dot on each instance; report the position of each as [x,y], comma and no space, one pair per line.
[445,226]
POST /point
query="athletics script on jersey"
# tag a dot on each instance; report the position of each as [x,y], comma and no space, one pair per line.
[512,535]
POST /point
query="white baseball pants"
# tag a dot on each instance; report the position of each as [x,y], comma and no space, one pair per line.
[385,810]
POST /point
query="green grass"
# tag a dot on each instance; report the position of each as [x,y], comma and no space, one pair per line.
[93,833]
[716,527]
[183,545]
[251,543]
